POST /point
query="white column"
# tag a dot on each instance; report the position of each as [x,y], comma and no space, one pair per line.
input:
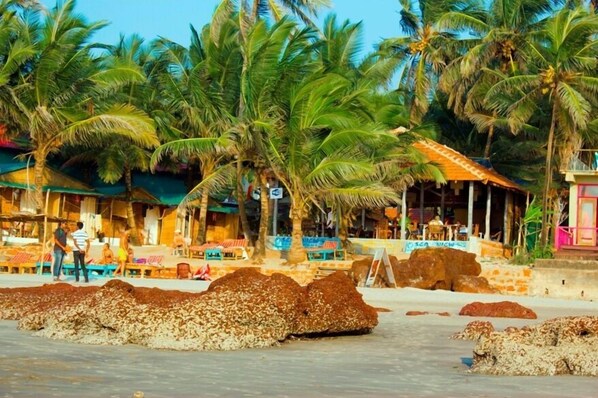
[404,213]
[488,210]
[470,209]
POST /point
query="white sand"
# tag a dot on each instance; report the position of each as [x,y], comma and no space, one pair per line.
[404,357]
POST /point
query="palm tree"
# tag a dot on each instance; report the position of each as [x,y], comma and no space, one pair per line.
[424,53]
[199,86]
[252,11]
[63,94]
[322,151]
[564,81]
[498,35]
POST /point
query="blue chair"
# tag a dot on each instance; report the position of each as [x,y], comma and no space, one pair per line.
[213,253]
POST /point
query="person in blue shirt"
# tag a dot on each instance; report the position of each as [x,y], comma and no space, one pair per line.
[60,248]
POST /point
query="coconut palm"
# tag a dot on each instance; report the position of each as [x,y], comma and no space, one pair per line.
[250,12]
[323,151]
[199,85]
[424,52]
[15,50]
[498,31]
[564,81]
[63,93]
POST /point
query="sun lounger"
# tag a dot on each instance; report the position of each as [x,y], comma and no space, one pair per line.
[20,263]
[199,251]
[329,250]
[234,249]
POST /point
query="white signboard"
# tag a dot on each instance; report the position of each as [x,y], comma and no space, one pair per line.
[275,193]
[411,245]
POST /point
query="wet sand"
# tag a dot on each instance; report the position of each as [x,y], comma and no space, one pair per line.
[404,356]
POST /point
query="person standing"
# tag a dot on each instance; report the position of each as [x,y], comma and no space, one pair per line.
[60,248]
[123,251]
[81,241]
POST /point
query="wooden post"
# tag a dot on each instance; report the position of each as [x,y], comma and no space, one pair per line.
[404,215]
[43,234]
[421,203]
[470,209]
[508,218]
[442,202]
[111,223]
[488,210]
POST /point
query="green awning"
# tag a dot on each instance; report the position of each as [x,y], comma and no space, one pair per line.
[73,191]
[223,209]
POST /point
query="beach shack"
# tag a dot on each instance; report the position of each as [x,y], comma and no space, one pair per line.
[578,237]
[477,206]
[65,196]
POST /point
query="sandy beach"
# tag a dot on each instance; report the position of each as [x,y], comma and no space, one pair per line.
[407,356]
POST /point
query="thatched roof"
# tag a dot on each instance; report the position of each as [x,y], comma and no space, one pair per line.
[29,217]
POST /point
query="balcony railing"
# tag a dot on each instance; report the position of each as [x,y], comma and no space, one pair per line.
[575,236]
[584,160]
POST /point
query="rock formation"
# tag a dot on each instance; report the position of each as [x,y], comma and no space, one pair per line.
[430,268]
[567,345]
[502,309]
[244,309]
[474,331]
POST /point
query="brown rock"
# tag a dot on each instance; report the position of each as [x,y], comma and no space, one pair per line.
[472,284]
[416,313]
[436,268]
[567,345]
[241,310]
[503,309]
[335,306]
[474,330]
[430,268]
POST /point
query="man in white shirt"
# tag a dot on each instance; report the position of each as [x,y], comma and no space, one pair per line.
[81,242]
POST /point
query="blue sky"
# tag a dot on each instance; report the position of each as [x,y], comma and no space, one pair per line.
[171,18]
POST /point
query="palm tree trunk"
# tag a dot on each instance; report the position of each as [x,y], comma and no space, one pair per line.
[38,194]
[296,252]
[548,176]
[203,217]
[260,245]
[241,203]
[489,142]
[130,212]
[345,221]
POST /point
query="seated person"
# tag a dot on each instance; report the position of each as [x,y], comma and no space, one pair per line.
[178,242]
[107,255]
[460,231]
[413,230]
[436,221]
[130,256]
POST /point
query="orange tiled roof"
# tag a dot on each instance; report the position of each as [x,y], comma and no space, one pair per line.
[457,167]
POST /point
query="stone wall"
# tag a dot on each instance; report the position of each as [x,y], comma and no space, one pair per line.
[508,279]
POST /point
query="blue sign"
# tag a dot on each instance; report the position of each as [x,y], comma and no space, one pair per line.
[275,193]
[412,245]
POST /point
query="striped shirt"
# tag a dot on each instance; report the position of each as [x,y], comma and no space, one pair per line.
[80,237]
